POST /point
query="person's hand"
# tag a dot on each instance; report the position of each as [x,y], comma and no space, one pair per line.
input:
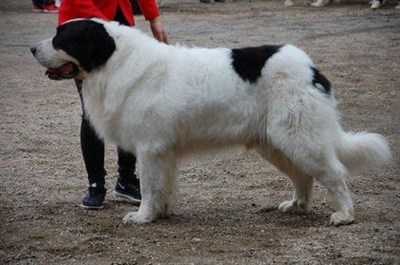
[158,30]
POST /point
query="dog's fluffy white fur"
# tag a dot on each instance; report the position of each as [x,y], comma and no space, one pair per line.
[160,101]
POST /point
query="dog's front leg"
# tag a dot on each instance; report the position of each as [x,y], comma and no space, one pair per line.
[158,186]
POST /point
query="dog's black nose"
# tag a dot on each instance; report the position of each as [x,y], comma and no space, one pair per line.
[33,50]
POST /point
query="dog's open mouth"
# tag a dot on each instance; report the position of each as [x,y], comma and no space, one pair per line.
[66,71]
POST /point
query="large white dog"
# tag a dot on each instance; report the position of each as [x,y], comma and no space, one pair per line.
[160,101]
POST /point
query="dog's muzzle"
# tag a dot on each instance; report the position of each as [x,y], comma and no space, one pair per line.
[65,71]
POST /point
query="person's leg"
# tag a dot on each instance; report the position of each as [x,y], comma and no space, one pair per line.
[126,167]
[136,8]
[128,185]
[93,155]
[119,17]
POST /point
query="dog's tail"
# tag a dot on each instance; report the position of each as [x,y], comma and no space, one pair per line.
[360,151]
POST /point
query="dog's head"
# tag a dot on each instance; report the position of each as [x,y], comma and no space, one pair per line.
[78,47]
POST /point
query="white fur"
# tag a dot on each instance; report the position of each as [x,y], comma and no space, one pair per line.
[315,3]
[161,101]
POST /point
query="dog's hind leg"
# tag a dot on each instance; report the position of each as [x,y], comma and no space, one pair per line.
[327,169]
[323,165]
[158,187]
[302,182]
[334,179]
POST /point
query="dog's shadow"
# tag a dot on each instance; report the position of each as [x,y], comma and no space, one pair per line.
[313,218]
[270,216]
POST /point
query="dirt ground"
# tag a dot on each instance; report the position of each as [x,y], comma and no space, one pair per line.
[226,211]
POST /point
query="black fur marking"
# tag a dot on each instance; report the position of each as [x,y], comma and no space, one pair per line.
[85,40]
[321,82]
[248,62]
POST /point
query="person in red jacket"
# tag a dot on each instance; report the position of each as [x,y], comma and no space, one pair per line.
[127,186]
[112,10]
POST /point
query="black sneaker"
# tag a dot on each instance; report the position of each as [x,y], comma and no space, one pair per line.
[94,198]
[128,191]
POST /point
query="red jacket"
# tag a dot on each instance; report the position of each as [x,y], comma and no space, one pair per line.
[105,9]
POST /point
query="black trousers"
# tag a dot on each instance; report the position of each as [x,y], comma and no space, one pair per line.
[93,153]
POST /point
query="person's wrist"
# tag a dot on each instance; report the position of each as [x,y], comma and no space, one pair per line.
[155,20]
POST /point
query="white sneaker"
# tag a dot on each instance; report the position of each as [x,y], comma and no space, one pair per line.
[288,3]
[320,3]
[375,4]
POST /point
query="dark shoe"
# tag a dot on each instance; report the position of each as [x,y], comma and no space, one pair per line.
[94,198]
[205,1]
[128,191]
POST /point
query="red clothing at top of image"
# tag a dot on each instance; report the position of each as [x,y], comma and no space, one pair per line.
[104,9]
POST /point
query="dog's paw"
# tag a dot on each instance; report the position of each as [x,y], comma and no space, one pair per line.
[340,218]
[292,206]
[135,218]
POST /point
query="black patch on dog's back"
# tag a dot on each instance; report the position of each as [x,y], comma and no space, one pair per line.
[85,40]
[321,82]
[248,62]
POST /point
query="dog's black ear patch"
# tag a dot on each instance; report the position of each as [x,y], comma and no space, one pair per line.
[85,40]
[321,82]
[248,62]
